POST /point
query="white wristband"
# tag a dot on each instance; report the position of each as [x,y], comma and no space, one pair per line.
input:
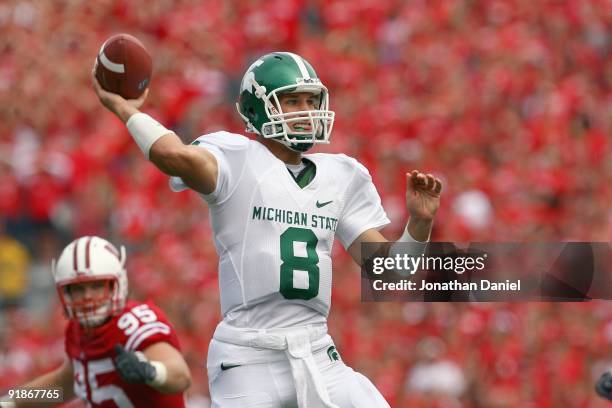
[161,373]
[415,249]
[406,237]
[145,130]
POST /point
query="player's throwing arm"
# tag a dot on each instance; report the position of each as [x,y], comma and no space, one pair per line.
[196,166]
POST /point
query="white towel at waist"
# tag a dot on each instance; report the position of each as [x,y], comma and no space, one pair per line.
[297,343]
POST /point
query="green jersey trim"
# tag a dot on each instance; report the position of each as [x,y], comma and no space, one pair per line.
[306,175]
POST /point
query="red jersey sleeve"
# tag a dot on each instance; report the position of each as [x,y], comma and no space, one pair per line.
[154,328]
[137,327]
[93,352]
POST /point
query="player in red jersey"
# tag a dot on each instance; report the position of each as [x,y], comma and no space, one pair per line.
[120,353]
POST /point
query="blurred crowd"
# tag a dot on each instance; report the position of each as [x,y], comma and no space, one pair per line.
[508,102]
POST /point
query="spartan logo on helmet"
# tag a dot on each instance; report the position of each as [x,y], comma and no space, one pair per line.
[259,106]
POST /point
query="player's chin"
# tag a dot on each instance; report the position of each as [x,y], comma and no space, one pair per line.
[91,323]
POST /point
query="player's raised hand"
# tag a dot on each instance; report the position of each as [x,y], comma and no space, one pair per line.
[422,194]
[133,367]
[123,108]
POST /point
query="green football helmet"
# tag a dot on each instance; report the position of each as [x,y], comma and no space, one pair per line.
[259,106]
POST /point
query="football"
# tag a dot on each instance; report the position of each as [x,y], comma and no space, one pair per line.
[124,66]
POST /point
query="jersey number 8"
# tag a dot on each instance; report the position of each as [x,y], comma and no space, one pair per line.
[298,249]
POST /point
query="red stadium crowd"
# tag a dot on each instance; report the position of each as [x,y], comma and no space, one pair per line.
[508,102]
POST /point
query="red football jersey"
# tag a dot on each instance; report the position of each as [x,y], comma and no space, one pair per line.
[92,353]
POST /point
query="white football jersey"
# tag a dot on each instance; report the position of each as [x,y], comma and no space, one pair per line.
[274,239]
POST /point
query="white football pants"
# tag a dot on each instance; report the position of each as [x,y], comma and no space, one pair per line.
[269,383]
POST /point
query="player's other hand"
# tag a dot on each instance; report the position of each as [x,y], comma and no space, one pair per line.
[123,108]
[604,385]
[133,367]
[422,194]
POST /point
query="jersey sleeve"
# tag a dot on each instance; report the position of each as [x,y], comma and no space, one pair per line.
[154,328]
[229,150]
[362,209]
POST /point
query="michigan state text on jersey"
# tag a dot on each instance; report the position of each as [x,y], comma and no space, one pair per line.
[275,213]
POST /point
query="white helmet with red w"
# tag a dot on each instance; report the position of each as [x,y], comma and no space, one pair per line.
[85,260]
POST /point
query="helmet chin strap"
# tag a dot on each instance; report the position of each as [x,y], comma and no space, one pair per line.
[300,147]
[296,147]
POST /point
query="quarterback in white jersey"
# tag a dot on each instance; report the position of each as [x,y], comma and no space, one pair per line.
[275,212]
